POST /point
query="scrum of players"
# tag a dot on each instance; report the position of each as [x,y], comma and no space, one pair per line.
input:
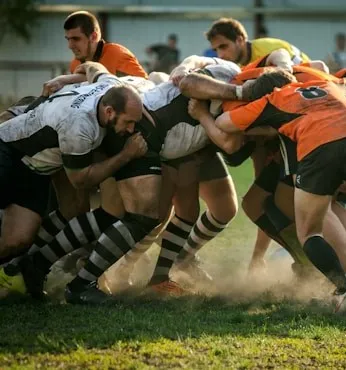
[154,146]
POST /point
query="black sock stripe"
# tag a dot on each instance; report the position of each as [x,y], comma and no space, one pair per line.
[209,225]
[192,243]
[93,269]
[50,227]
[105,253]
[119,240]
[201,235]
[87,229]
[164,262]
[166,244]
[57,248]
[60,216]
[176,231]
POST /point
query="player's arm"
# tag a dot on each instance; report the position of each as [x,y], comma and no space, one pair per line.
[203,87]
[192,63]
[57,83]
[77,158]
[280,58]
[229,143]
[88,71]
[92,70]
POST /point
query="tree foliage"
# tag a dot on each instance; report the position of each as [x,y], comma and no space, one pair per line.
[18,17]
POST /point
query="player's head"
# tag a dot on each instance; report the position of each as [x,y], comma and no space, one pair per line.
[340,40]
[268,80]
[121,107]
[82,32]
[228,37]
[172,40]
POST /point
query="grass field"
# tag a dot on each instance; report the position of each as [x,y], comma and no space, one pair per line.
[247,324]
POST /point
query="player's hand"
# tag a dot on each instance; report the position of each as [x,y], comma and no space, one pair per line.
[178,74]
[52,86]
[198,108]
[135,146]
[81,69]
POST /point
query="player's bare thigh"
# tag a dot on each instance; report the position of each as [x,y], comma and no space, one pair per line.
[141,194]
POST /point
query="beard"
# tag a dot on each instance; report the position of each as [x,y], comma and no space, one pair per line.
[111,125]
[83,58]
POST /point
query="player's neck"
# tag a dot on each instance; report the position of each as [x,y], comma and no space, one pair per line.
[92,52]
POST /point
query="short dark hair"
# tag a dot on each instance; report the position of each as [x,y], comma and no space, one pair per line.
[340,36]
[118,96]
[173,37]
[268,80]
[83,19]
[228,27]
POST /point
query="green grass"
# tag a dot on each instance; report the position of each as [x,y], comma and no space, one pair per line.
[239,328]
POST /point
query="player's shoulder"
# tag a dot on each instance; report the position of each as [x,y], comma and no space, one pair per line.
[110,47]
[270,41]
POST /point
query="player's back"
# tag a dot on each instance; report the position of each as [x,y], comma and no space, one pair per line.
[264,46]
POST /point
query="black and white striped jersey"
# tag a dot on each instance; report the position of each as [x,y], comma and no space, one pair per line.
[179,133]
[62,131]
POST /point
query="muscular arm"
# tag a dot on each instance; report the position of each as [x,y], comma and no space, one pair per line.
[95,173]
[229,143]
[199,86]
[91,70]
[280,58]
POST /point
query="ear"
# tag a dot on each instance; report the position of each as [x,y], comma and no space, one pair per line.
[94,36]
[240,39]
[110,111]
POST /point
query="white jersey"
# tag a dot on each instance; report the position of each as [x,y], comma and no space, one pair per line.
[180,134]
[64,130]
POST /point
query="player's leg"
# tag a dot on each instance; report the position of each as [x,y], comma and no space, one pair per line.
[112,245]
[217,189]
[79,231]
[184,182]
[319,175]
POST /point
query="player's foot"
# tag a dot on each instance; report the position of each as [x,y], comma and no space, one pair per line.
[168,287]
[34,278]
[88,294]
[340,300]
[12,283]
[123,273]
[193,268]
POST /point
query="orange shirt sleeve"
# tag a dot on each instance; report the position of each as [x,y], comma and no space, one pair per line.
[74,64]
[247,115]
[117,58]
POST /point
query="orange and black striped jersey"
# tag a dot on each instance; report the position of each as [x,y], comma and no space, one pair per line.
[116,58]
[302,72]
[311,114]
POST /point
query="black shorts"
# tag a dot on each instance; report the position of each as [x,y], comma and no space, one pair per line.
[19,185]
[288,150]
[150,164]
[323,170]
[213,168]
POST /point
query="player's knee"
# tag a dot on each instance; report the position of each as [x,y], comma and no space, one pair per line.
[15,242]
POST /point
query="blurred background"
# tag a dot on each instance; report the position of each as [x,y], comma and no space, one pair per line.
[33,48]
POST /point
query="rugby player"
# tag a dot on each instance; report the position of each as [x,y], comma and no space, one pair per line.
[298,109]
[34,144]
[192,139]
[229,39]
